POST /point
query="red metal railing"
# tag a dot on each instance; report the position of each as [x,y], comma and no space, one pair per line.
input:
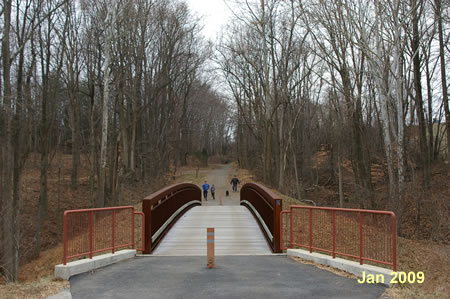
[90,231]
[365,235]
[164,207]
[266,207]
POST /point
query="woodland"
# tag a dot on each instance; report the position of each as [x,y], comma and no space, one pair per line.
[338,103]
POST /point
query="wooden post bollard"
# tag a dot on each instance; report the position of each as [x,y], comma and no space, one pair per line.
[210,246]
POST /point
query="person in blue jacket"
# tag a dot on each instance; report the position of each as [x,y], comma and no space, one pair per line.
[205,188]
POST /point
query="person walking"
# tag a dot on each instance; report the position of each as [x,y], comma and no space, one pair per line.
[213,191]
[205,188]
[234,182]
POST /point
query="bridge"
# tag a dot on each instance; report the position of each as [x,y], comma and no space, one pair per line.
[173,221]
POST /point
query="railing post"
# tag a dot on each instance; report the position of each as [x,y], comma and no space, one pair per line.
[143,230]
[132,228]
[91,229]
[360,239]
[65,238]
[291,229]
[147,210]
[333,219]
[310,230]
[276,225]
[113,230]
[394,243]
[281,231]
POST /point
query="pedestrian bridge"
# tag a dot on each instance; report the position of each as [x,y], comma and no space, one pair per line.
[176,222]
[173,222]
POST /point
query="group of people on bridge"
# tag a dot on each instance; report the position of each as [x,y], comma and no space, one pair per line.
[234,183]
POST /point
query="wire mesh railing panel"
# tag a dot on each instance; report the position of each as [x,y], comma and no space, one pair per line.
[322,230]
[101,230]
[347,233]
[78,238]
[377,237]
[299,227]
[124,229]
[91,231]
[363,235]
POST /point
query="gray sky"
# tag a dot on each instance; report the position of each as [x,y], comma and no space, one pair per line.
[214,14]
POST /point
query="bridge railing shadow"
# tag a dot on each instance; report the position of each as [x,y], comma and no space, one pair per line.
[164,207]
[266,207]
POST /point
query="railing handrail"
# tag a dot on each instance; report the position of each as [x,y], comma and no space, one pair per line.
[360,212]
[345,210]
[97,209]
[169,190]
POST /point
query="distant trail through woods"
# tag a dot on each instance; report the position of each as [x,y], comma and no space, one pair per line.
[220,177]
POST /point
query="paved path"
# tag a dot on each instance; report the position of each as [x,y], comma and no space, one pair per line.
[220,177]
[236,232]
[233,277]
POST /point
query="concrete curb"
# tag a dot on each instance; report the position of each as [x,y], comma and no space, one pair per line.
[64,294]
[86,265]
[346,265]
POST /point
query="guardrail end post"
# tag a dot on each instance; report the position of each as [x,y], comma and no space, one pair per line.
[394,243]
[113,232]
[65,238]
[310,231]
[360,239]
[333,217]
[91,233]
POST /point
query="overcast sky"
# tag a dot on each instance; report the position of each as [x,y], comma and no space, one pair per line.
[214,14]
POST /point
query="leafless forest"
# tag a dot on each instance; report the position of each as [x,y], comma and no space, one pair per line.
[349,95]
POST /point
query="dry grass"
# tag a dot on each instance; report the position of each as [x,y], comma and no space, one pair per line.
[429,257]
[36,289]
[189,174]
[325,267]
[245,176]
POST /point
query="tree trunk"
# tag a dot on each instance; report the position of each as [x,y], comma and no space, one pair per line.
[438,8]
[297,181]
[424,156]
[7,219]
[340,179]
[92,151]
[110,19]
[75,124]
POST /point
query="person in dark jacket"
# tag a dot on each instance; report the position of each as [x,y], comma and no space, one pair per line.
[205,188]
[234,182]
[213,191]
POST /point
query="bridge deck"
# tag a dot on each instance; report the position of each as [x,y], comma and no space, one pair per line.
[236,233]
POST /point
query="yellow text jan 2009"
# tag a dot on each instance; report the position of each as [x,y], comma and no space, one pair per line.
[396,278]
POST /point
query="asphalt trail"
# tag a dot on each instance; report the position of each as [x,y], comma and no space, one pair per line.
[233,277]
